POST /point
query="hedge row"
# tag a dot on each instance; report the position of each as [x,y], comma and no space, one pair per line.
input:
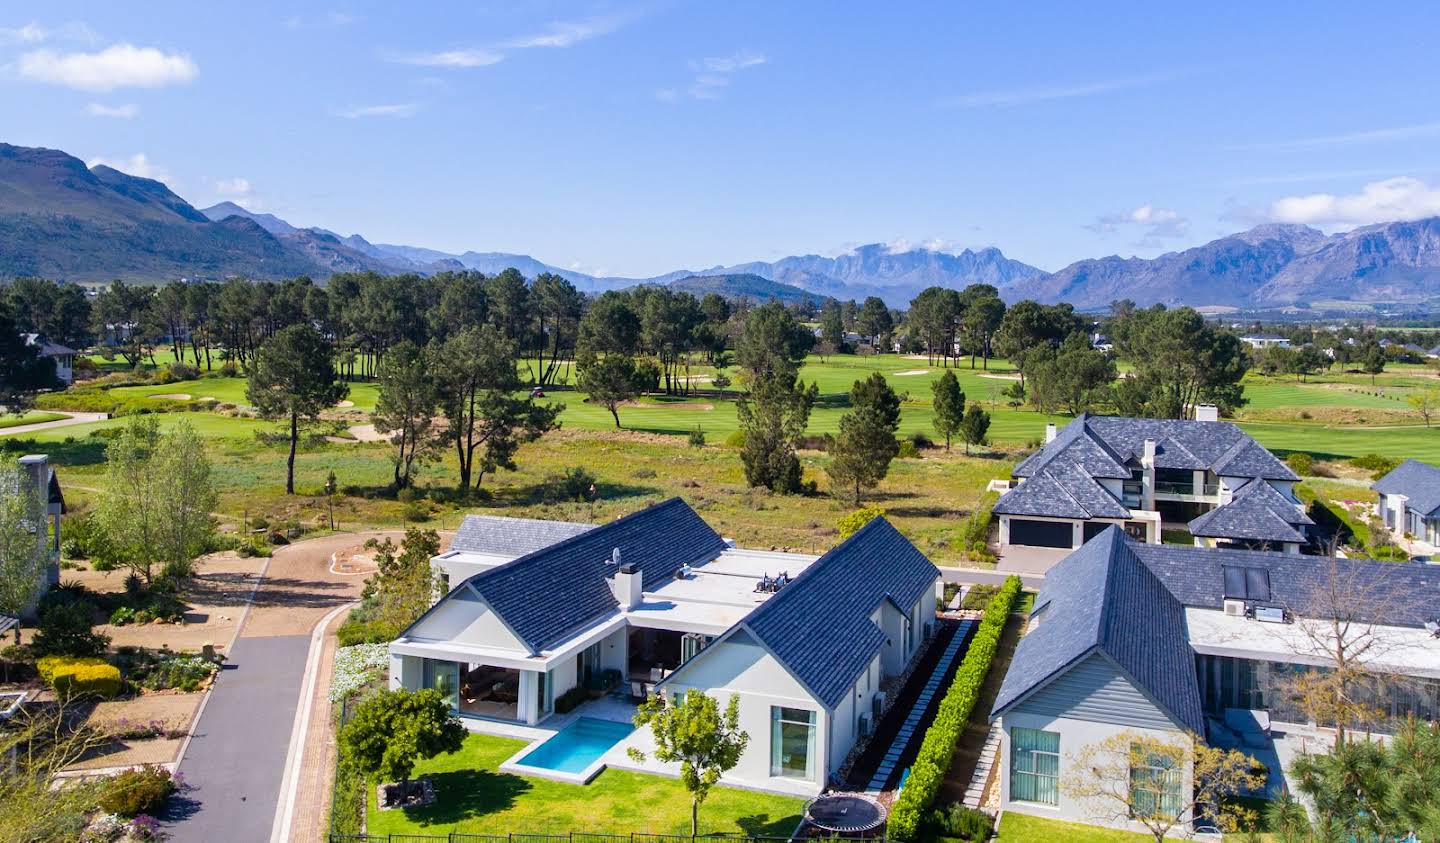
[938,747]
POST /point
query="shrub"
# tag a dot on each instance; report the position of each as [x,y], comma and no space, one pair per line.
[735,440]
[355,631]
[416,511]
[76,676]
[921,441]
[956,821]
[976,529]
[139,791]
[183,371]
[187,673]
[1378,466]
[851,522]
[572,698]
[907,451]
[979,596]
[938,746]
[1301,463]
[357,666]
[697,437]
[573,484]
[65,629]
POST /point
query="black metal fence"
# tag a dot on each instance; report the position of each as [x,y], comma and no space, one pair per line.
[578,837]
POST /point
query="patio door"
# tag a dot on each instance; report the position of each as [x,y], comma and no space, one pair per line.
[691,643]
[443,676]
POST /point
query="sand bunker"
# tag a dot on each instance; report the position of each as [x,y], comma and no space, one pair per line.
[1001,377]
[346,403]
[174,396]
[912,372]
[367,433]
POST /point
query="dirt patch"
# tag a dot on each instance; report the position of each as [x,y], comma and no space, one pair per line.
[353,560]
[367,433]
[173,396]
[912,372]
[118,753]
[341,440]
[346,403]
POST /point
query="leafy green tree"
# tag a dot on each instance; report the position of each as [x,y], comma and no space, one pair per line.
[982,314]
[832,325]
[861,454]
[974,427]
[393,730]
[1029,326]
[1365,790]
[609,381]
[773,343]
[1426,402]
[182,480]
[696,734]
[23,372]
[949,405]
[403,585]
[851,522]
[23,554]
[557,306]
[1306,361]
[772,417]
[1178,361]
[610,324]
[293,379]
[405,409]
[1076,375]
[477,378]
[874,321]
[935,317]
[132,509]
[1372,360]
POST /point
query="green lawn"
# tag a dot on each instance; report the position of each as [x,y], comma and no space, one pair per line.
[473,797]
[1022,828]
[32,417]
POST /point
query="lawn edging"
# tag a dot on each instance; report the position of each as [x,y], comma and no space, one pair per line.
[938,747]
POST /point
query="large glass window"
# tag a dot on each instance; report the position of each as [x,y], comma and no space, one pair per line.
[792,743]
[1154,783]
[1034,766]
[444,677]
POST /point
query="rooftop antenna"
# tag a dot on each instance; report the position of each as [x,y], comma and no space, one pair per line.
[615,556]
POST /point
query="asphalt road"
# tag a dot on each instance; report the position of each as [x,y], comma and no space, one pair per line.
[234,762]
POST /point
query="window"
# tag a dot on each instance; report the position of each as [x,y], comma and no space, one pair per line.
[1034,766]
[792,743]
[444,677]
[1154,783]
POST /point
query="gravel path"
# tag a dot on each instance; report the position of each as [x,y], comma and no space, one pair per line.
[72,419]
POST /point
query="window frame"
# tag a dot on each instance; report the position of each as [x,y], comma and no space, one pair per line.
[1019,749]
[778,720]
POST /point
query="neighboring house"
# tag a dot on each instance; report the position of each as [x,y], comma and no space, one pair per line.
[659,601]
[1146,475]
[1265,340]
[1100,342]
[1410,500]
[1175,641]
[35,469]
[487,541]
[1433,353]
[64,357]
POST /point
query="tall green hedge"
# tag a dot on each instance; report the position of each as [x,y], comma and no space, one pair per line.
[938,747]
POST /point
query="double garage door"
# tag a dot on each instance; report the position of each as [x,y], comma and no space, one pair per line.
[1035,533]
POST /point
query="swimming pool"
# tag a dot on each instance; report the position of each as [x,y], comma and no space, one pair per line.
[576,747]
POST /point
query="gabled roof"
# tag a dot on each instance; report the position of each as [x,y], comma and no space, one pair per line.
[546,595]
[1418,481]
[1077,443]
[502,536]
[1101,598]
[1061,490]
[819,625]
[1258,512]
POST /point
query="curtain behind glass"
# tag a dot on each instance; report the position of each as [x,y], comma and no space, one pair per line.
[1035,766]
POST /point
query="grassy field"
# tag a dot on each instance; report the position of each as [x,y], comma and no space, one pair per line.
[32,417]
[472,796]
[1022,828]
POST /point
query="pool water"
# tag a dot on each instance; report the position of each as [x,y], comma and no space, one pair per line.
[577,746]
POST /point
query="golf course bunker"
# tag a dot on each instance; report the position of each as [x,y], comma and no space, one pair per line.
[912,372]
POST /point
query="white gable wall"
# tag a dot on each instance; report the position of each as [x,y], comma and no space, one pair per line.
[463,618]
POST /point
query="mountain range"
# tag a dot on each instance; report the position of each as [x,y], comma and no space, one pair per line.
[61,219]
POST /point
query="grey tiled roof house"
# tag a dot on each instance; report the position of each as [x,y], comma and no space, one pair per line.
[1410,500]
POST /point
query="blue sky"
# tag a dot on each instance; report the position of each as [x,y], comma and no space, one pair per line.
[635,138]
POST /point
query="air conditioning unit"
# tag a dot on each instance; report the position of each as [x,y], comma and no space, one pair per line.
[1269,614]
[877,705]
[1235,608]
[864,725]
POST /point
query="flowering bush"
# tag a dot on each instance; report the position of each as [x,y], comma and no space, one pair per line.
[126,729]
[184,672]
[356,667]
[145,827]
[138,792]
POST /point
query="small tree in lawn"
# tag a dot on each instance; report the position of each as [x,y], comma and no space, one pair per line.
[851,522]
[392,730]
[22,552]
[609,381]
[293,379]
[694,733]
[1136,776]
[1426,402]
[974,427]
[949,404]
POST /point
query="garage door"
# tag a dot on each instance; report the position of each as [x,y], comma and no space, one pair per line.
[1041,533]
[1095,528]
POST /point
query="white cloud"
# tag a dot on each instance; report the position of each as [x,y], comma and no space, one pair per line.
[454,58]
[1402,198]
[404,109]
[712,76]
[233,187]
[1301,178]
[117,66]
[30,33]
[1422,130]
[123,112]
[1027,96]
[136,165]
[933,244]
[1154,224]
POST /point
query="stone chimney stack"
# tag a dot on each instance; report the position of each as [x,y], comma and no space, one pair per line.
[1050,432]
[626,583]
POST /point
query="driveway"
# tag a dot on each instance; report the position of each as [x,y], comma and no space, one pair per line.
[237,759]
[1022,559]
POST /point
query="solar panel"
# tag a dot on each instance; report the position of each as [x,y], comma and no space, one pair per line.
[1244,583]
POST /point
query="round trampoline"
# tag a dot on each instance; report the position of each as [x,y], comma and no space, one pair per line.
[845,813]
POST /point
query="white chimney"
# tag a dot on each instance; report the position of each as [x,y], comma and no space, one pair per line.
[1207,412]
[1148,457]
[626,586]
[1049,433]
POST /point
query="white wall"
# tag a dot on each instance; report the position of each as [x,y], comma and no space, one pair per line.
[465,619]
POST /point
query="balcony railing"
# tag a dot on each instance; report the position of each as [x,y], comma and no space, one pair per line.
[1171,487]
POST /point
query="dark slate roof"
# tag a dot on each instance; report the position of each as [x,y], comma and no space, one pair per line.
[1408,594]
[1102,598]
[546,595]
[1418,481]
[819,625]
[502,536]
[1061,490]
[1258,512]
[1076,443]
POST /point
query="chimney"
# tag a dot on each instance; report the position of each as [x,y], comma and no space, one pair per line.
[625,584]
[1207,412]
[36,468]
[1049,433]
[1147,459]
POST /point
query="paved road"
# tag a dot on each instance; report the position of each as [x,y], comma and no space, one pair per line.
[73,419]
[235,760]
[970,576]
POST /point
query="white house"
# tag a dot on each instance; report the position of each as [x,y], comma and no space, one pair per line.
[63,356]
[1204,476]
[1410,500]
[1265,340]
[658,602]
[1184,643]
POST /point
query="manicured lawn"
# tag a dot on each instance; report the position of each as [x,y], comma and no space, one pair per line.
[32,417]
[1022,828]
[473,797]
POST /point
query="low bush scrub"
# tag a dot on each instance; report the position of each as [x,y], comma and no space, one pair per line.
[957,822]
[139,791]
[697,437]
[357,666]
[360,631]
[938,747]
[75,676]
[907,451]
[66,628]
[182,672]
[979,596]
[1378,466]
[573,484]
[735,440]
[1301,463]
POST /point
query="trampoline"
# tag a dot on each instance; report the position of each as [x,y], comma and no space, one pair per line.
[845,813]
